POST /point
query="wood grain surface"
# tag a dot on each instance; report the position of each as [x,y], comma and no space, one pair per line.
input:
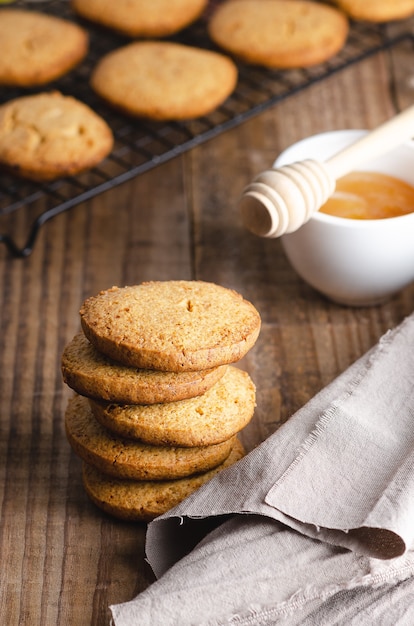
[63,562]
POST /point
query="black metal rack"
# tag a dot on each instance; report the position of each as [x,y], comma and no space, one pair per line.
[141,145]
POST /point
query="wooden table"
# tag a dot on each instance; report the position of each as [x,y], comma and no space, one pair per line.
[62,560]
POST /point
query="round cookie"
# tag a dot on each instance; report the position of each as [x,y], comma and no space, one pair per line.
[92,374]
[209,419]
[123,458]
[377,10]
[48,135]
[145,500]
[141,18]
[37,48]
[279,33]
[164,80]
[171,325]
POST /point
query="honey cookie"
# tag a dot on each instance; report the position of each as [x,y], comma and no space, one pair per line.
[377,10]
[164,80]
[171,325]
[279,33]
[212,418]
[48,135]
[125,458]
[144,500]
[92,374]
[141,18]
[37,48]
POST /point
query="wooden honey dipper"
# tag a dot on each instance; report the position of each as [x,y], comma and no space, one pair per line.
[281,200]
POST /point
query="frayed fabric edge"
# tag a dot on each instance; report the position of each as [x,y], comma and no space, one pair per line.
[326,416]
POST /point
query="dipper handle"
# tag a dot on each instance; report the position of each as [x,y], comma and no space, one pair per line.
[281,200]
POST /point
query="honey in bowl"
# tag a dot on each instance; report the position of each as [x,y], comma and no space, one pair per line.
[370,196]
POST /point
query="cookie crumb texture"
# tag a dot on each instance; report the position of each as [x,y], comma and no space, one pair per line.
[133,459]
[92,374]
[49,135]
[144,500]
[172,325]
[211,418]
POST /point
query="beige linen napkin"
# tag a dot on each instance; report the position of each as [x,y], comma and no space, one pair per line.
[314,526]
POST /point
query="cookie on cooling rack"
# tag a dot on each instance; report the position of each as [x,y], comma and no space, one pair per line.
[141,18]
[48,135]
[377,10]
[163,80]
[37,48]
[144,500]
[279,33]
[174,326]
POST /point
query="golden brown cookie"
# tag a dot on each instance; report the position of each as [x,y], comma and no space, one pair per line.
[37,48]
[164,80]
[48,135]
[217,415]
[377,10]
[141,18]
[171,325]
[126,458]
[279,33]
[145,500]
[92,374]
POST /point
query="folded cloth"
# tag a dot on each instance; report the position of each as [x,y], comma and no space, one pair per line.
[318,514]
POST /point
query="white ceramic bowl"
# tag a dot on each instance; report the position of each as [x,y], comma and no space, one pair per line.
[353,262]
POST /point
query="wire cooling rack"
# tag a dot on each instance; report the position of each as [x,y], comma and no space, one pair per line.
[141,145]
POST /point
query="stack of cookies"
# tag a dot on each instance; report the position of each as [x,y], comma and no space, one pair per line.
[158,403]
